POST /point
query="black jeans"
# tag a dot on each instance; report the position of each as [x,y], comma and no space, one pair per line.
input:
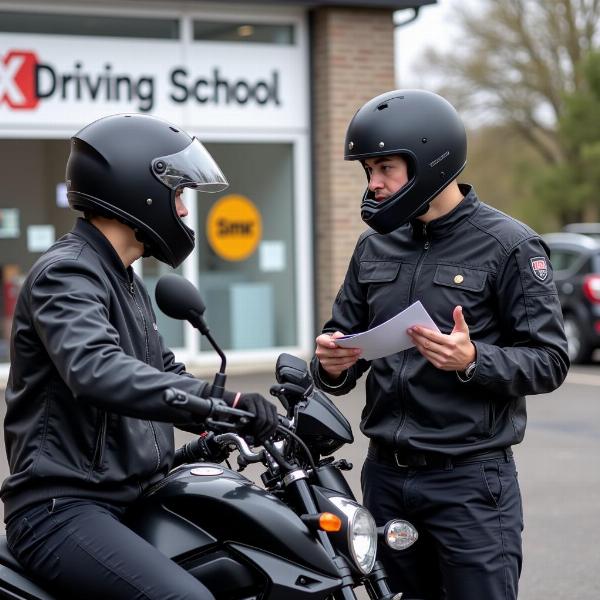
[469,517]
[80,549]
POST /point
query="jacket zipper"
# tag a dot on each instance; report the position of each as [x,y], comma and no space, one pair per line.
[401,384]
[147,361]
[98,456]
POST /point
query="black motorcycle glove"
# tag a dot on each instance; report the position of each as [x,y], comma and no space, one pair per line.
[265,419]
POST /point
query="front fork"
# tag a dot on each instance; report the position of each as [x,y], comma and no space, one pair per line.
[375,582]
[377,586]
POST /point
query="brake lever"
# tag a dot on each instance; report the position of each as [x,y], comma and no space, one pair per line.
[242,418]
[214,424]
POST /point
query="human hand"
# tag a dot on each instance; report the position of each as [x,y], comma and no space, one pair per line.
[265,420]
[446,352]
[335,360]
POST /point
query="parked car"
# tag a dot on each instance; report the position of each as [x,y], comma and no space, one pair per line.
[591,229]
[575,260]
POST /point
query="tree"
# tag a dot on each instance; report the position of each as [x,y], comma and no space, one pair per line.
[515,63]
[573,188]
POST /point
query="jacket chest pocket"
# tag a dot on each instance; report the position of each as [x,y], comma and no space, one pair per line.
[380,277]
[456,285]
[378,271]
[460,278]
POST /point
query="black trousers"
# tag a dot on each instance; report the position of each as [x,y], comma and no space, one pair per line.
[469,517]
[80,549]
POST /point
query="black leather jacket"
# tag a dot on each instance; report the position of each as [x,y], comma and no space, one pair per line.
[511,308]
[85,413]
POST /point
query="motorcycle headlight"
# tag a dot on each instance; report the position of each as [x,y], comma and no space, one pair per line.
[362,533]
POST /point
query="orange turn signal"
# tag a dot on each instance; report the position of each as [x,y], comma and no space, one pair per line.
[329,522]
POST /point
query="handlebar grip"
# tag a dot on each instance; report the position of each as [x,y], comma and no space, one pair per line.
[203,407]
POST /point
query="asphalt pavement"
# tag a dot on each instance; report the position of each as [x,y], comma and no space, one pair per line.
[559,473]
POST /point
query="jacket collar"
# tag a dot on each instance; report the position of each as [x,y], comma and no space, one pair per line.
[445,224]
[97,240]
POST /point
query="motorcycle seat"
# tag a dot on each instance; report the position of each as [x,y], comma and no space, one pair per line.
[6,557]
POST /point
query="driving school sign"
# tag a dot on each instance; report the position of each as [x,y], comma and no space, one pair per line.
[51,81]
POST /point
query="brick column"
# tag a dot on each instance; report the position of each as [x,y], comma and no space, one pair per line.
[353,61]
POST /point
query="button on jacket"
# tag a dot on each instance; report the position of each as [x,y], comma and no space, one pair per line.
[85,411]
[497,269]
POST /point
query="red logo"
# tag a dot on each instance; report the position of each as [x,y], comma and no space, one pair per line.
[17,80]
[539,266]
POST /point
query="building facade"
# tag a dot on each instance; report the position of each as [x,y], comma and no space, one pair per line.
[269,88]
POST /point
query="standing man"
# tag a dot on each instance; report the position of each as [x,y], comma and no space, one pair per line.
[87,429]
[442,416]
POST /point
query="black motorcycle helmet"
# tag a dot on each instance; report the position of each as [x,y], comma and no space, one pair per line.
[129,167]
[427,132]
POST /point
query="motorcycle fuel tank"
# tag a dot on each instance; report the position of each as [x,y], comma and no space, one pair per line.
[205,504]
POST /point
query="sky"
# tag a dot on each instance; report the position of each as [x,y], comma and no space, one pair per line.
[433,28]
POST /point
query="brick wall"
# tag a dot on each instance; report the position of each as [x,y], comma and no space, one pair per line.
[353,61]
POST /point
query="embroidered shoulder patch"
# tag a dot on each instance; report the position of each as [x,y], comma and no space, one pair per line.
[539,266]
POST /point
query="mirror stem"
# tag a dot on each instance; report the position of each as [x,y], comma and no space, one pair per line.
[219,381]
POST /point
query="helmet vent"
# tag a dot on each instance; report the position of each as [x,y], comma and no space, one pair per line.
[386,103]
[173,129]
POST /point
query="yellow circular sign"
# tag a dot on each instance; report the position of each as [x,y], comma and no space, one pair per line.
[234,227]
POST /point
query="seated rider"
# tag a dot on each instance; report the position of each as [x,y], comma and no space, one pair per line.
[87,430]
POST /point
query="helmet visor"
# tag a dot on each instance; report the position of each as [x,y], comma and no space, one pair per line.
[192,167]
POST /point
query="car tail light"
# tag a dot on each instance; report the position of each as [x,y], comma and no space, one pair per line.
[591,288]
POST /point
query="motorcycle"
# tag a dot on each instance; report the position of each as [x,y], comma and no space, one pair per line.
[300,536]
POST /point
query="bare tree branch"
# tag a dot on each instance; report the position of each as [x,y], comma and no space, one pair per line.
[518,59]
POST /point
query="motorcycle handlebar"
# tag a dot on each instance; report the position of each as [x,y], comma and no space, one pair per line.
[207,407]
[243,448]
[202,407]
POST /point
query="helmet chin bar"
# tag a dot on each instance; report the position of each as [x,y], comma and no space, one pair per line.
[422,128]
[421,211]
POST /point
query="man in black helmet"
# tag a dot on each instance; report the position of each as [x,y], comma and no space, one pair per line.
[87,430]
[442,416]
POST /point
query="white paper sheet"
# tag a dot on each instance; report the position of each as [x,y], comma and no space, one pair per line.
[389,337]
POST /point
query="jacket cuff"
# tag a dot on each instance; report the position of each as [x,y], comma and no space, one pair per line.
[229,397]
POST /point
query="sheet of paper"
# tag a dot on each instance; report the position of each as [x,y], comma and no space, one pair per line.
[389,337]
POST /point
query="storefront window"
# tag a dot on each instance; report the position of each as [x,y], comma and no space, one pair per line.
[250,297]
[33,214]
[246,250]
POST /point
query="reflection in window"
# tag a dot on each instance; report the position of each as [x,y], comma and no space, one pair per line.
[244,32]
